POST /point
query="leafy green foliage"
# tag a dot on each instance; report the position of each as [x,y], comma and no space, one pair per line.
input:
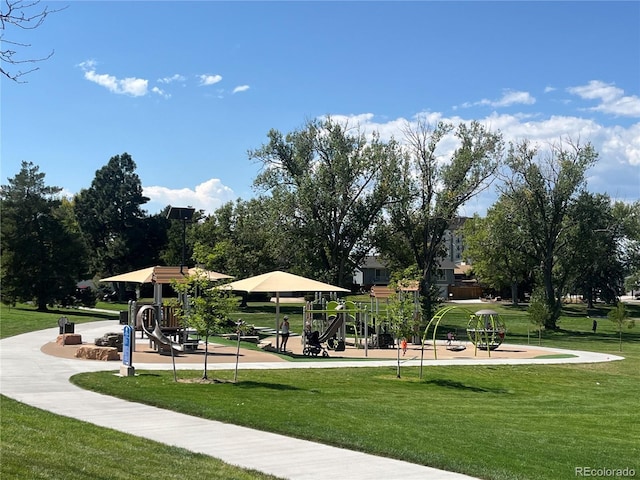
[538,311]
[111,219]
[243,239]
[330,184]
[545,188]
[43,256]
[431,192]
[497,246]
[403,313]
[594,259]
[619,316]
[208,310]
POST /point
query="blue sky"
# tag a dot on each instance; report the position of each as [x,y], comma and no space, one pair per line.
[187,88]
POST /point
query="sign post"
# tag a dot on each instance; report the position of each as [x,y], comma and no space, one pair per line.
[127,369]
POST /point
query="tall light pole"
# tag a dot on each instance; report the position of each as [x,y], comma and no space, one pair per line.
[184,214]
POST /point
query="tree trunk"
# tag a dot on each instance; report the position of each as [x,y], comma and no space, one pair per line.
[550,295]
[206,354]
[590,298]
[425,292]
[514,292]
[621,338]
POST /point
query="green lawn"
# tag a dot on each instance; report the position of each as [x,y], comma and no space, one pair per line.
[498,422]
[40,445]
[23,318]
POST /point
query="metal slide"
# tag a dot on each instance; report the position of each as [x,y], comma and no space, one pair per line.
[333,328]
[156,334]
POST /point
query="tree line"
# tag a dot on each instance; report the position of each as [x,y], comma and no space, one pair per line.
[327,195]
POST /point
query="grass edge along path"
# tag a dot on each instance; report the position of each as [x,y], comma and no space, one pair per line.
[41,445]
[495,422]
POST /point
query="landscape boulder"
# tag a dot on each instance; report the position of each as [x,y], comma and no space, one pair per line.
[69,339]
[98,353]
[110,340]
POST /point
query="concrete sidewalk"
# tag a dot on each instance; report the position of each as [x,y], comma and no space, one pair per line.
[42,381]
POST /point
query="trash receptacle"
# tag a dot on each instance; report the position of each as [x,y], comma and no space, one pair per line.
[124,317]
[65,325]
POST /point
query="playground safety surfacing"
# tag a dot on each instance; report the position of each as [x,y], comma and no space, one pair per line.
[146,354]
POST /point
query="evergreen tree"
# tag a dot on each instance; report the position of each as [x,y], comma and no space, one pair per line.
[111,218]
[43,255]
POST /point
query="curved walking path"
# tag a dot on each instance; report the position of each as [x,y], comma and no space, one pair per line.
[40,380]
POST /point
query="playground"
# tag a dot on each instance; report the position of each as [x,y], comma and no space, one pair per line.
[227,354]
[332,330]
[336,343]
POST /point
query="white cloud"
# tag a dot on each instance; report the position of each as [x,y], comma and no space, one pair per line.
[206,80]
[174,78]
[612,98]
[135,87]
[241,88]
[162,93]
[616,173]
[509,97]
[549,89]
[138,87]
[207,196]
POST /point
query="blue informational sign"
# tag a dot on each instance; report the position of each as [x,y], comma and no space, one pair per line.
[127,335]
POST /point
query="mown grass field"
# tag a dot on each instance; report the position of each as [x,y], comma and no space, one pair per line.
[498,422]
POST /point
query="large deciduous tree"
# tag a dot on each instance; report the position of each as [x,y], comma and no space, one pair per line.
[241,239]
[594,263]
[434,188]
[628,218]
[545,185]
[110,216]
[43,256]
[496,246]
[331,183]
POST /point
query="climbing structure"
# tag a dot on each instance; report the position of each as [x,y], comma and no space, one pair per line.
[486,330]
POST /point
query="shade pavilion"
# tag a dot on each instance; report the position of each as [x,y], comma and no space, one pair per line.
[278,282]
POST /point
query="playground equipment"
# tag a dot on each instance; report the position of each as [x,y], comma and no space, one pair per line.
[484,329]
[380,297]
[324,324]
[146,319]
[366,325]
[330,320]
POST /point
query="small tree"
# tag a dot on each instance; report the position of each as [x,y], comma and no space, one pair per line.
[208,309]
[619,316]
[403,315]
[539,313]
